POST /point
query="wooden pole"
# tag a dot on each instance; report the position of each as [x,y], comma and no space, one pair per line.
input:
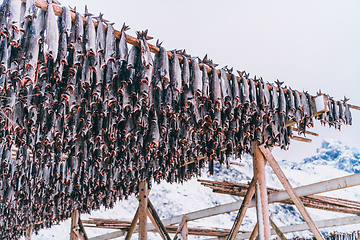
[185,232]
[242,211]
[277,230]
[28,232]
[289,189]
[181,226]
[262,206]
[154,217]
[133,224]
[143,203]
[254,232]
[82,229]
[74,225]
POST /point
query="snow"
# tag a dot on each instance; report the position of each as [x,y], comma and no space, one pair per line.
[333,159]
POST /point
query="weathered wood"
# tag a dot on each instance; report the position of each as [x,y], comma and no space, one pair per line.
[82,229]
[143,203]
[304,227]
[277,230]
[185,231]
[157,222]
[289,189]
[242,211]
[307,132]
[262,206]
[301,139]
[74,225]
[29,232]
[254,232]
[320,187]
[133,224]
[179,229]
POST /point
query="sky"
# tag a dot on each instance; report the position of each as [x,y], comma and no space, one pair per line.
[310,45]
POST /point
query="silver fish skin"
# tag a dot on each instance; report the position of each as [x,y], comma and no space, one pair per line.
[252,91]
[185,74]
[341,112]
[146,58]
[244,89]
[90,34]
[195,77]
[22,15]
[123,47]
[30,8]
[336,111]
[311,104]
[66,21]
[132,57]
[235,91]
[175,79]
[4,53]
[225,87]
[110,47]
[156,81]
[347,113]
[63,48]
[100,35]
[14,9]
[215,92]
[266,94]
[305,104]
[3,19]
[282,101]
[164,65]
[297,99]
[79,27]
[291,100]
[51,37]
[274,99]
[205,82]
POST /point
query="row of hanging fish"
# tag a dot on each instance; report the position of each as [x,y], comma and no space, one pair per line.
[83,118]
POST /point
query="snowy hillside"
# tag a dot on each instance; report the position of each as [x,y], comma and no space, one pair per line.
[332,160]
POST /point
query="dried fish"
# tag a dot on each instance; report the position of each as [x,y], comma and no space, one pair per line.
[51,35]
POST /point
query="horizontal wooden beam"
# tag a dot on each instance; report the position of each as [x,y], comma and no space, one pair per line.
[315,188]
[307,132]
[301,139]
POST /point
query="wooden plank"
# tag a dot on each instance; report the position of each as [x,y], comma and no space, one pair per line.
[184,231]
[74,225]
[29,232]
[262,205]
[289,189]
[301,139]
[157,222]
[181,225]
[304,227]
[133,224]
[277,230]
[242,211]
[143,203]
[254,232]
[320,187]
[83,229]
[307,132]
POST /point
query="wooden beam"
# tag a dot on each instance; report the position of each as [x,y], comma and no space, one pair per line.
[277,230]
[304,227]
[254,232]
[262,206]
[301,139]
[82,229]
[320,187]
[181,225]
[184,231]
[289,189]
[133,224]
[242,211]
[74,225]
[307,132]
[157,222]
[143,203]
[29,232]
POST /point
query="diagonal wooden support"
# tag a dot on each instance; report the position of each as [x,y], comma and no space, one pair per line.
[262,205]
[254,232]
[242,211]
[154,217]
[185,232]
[29,232]
[277,230]
[82,229]
[289,189]
[181,226]
[133,224]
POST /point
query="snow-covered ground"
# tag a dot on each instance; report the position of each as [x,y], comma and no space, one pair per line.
[333,159]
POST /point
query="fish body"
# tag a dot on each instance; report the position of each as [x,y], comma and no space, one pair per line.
[195,77]
[205,83]
[51,35]
[110,49]
[132,57]
[122,46]
[31,9]
[245,98]
[164,68]
[100,35]
[215,91]
[89,34]
[146,58]
[225,87]
[14,9]
[66,21]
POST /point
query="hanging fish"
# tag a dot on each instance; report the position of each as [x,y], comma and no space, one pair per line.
[175,77]
[110,50]
[13,9]
[65,21]
[100,35]
[347,113]
[31,9]
[225,87]
[146,58]
[89,34]
[205,83]
[122,46]
[245,99]
[163,68]
[195,77]
[51,34]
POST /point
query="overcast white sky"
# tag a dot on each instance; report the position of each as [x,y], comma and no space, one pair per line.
[310,45]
